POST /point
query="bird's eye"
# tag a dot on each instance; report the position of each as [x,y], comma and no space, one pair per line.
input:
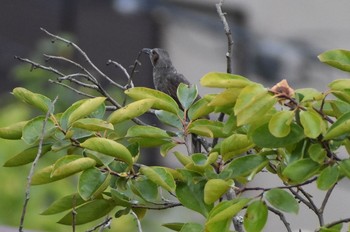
[155,56]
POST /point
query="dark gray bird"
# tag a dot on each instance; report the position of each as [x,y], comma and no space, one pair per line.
[166,79]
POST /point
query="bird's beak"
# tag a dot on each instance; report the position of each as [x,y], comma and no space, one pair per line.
[146,50]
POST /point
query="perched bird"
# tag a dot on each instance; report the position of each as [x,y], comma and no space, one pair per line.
[166,79]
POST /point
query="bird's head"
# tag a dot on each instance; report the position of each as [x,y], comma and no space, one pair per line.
[159,57]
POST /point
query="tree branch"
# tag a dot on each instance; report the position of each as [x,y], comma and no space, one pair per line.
[282,217]
[31,172]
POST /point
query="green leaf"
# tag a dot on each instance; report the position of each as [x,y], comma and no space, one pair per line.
[226,98]
[109,147]
[226,210]
[63,204]
[243,166]
[145,188]
[191,195]
[234,145]
[92,182]
[13,131]
[40,101]
[344,166]
[192,227]
[85,109]
[311,122]
[339,59]
[166,147]
[255,217]
[200,109]
[99,207]
[120,198]
[317,153]
[169,119]
[71,164]
[93,124]
[27,156]
[262,137]
[131,111]
[214,189]
[309,94]
[176,226]
[147,132]
[339,127]
[186,94]
[224,80]
[162,101]
[279,124]
[183,159]
[207,128]
[32,131]
[328,177]
[282,200]
[301,170]
[159,176]
[253,102]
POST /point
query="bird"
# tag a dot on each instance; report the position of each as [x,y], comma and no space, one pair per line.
[166,79]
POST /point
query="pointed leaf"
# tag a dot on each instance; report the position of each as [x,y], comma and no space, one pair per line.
[214,189]
[27,156]
[328,177]
[99,207]
[282,200]
[339,59]
[85,109]
[186,94]
[301,170]
[109,147]
[63,204]
[159,176]
[162,101]
[40,101]
[131,111]
[13,131]
[279,124]
[224,80]
[255,217]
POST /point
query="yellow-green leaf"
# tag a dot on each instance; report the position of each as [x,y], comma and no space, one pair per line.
[255,217]
[13,131]
[215,188]
[92,124]
[279,124]
[311,122]
[338,58]
[224,80]
[340,127]
[40,101]
[69,165]
[86,108]
[282,200]
[159,176]
[234,145]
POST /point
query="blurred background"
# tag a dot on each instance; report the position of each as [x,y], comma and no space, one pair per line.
[273,40]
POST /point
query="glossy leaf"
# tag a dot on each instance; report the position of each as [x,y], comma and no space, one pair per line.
[85,109]
[234,145]
[32,131]
[133,110]
[224,80]
[69,165]
[92,124]
[253,102]
[214,189]
[339,59]
[92,182]
[159,176]
[301,170]
[279,124]
[328,177]
[63,204]
[311,122]
[243,166]
[191,195]
[162,101]
[255,217]
[40,101]
[262,137]
[207,128]
[13,131]
[339,127]
[226,210]
[99,207]
[169,119]
[27,156]
[186,94]
[226,98]
[109,147]
[282,200]
[199,109]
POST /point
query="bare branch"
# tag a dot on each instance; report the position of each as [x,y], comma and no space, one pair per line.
[336,222]
[37,65]
[124,71]
[31,172]
[139,229]
[105,224]
[326,198]
[282,217]
[71,88]
[166,205]
[84,55]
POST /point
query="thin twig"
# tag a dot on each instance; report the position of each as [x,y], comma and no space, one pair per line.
[326,198]
[31,172]
[71,88]
[313,206]
[37,65]
[282,217]
[84,55]
[121,67]
[329,225]
[163,206]
[104,224]
[139,228]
